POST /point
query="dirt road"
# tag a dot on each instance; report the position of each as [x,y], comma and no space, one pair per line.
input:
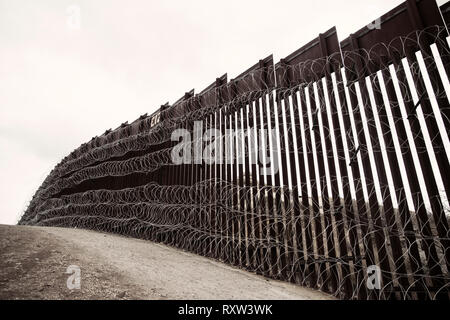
[34,261]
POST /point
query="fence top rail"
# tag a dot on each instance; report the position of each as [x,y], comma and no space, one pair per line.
[311,62]
[363,52]
[219,81]
[410,16]
[256,78]
[445,10]
[411,26]
[312,50]
[209,95]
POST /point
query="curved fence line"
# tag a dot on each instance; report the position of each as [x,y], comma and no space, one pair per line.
[327,169]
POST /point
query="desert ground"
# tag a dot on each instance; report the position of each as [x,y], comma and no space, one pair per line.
[34,262]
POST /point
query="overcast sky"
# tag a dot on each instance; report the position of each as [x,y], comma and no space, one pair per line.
[60,84]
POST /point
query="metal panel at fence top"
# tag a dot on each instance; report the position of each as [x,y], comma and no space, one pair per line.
[326,169]
[445,10]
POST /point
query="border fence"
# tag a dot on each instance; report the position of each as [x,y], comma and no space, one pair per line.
[327,169]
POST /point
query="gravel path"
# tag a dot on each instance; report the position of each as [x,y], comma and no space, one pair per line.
[34,260]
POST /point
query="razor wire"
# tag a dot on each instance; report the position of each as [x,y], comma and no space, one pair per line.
[351,191]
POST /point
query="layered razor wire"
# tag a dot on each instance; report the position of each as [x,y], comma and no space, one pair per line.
[328,169]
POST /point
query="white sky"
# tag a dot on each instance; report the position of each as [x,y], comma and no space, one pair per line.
[59,86]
